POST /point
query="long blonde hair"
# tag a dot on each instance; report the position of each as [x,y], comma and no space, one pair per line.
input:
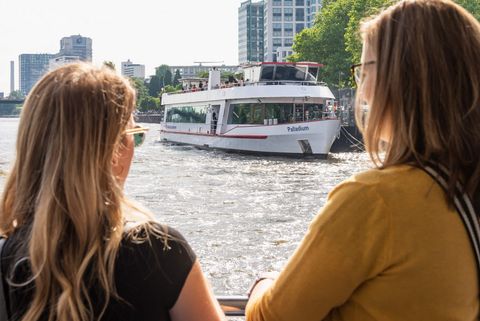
[62,190]
[427,88]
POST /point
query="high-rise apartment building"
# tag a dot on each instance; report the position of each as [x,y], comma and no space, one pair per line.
[250,31]
[283,19]
[129,69]
[76,46]
[32,68]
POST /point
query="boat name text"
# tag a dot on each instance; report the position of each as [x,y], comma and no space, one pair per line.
[298,129]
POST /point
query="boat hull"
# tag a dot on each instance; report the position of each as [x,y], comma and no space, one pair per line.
[299,139]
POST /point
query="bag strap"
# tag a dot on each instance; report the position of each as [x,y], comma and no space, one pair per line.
[3,302]
[463,205]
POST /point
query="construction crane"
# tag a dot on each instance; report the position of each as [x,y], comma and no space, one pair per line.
[207,62]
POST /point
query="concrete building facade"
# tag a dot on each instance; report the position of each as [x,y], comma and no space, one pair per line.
[250,32]
[76,46]
[31,68]
[129,69]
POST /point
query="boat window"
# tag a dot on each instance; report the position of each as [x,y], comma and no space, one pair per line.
[313,112]
[312,74]
[187,114]
[267,73]
[257,113]
[290,73]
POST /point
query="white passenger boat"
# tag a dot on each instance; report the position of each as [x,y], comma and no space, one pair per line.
[279,108]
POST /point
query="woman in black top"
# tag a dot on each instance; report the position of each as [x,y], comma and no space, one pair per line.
[76,249]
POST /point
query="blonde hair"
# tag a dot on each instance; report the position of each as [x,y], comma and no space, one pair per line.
[427,88]
[62,190]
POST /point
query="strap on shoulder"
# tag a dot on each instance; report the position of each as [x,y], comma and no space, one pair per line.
[463,205]
[3,302]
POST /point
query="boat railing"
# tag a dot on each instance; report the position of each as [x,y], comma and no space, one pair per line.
[233,305]
[247,83]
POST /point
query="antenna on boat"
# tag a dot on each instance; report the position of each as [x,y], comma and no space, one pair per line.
[207,62]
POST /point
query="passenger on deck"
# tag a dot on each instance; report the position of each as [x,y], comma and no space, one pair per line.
[389,243]
[77,249]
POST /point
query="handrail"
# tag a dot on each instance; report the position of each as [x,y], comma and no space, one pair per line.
[233,305]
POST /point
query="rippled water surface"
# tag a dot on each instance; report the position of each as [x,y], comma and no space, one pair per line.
[241,214]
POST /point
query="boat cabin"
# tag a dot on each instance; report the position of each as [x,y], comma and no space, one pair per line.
[304,73]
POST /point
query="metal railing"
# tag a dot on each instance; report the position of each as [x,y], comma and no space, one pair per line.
[233,305]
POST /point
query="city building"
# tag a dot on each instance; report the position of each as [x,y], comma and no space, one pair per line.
[12,76]
[58,61]
[282,20]
[313,7]
[76,46]
[129,69]
[32,68]
[250,32]
[193,70]
[2,95]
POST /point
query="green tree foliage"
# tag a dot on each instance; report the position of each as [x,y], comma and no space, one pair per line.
[360,10]
[109,64]
[164,75]
[149,104]
[16,95]
[140,88]
[202,74]
[324,43]
[473,6]
[155,86]
[171,88]
[176,78]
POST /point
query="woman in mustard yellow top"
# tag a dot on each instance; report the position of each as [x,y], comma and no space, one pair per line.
[389,244]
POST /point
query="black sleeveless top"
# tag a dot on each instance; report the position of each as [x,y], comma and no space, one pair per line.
[148,277]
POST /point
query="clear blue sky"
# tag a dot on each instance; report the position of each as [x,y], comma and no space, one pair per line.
[150,32]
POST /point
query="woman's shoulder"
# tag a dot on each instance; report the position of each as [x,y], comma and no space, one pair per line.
[383,180]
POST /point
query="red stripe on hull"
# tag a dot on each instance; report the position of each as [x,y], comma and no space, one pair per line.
[222,136]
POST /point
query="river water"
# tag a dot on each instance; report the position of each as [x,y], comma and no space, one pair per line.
[241,214]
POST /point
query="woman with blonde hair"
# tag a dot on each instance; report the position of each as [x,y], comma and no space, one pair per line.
[75,248]
[399,242]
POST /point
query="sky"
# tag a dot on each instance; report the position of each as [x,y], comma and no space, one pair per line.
[149,32]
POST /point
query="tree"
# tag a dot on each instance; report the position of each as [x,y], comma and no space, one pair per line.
[16,95]
[154,86]
[176,78]
[164,75]
[359,10]
[472,6]
[141,90]
[324,43]
[149,104]
[109,64]
[202,74]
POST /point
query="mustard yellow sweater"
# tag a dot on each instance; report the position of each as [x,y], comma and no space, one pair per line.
[384,247]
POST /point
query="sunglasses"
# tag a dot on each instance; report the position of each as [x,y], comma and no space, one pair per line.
[138,133]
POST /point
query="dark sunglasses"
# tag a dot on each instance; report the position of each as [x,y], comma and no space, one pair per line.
[138,133]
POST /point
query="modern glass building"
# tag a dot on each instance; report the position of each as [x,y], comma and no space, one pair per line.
[250,32]
[32,68]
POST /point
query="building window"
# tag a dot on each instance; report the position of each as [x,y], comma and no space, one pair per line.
[300,14]
[277,3]
[299,3]
[299,27]
[288,3]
